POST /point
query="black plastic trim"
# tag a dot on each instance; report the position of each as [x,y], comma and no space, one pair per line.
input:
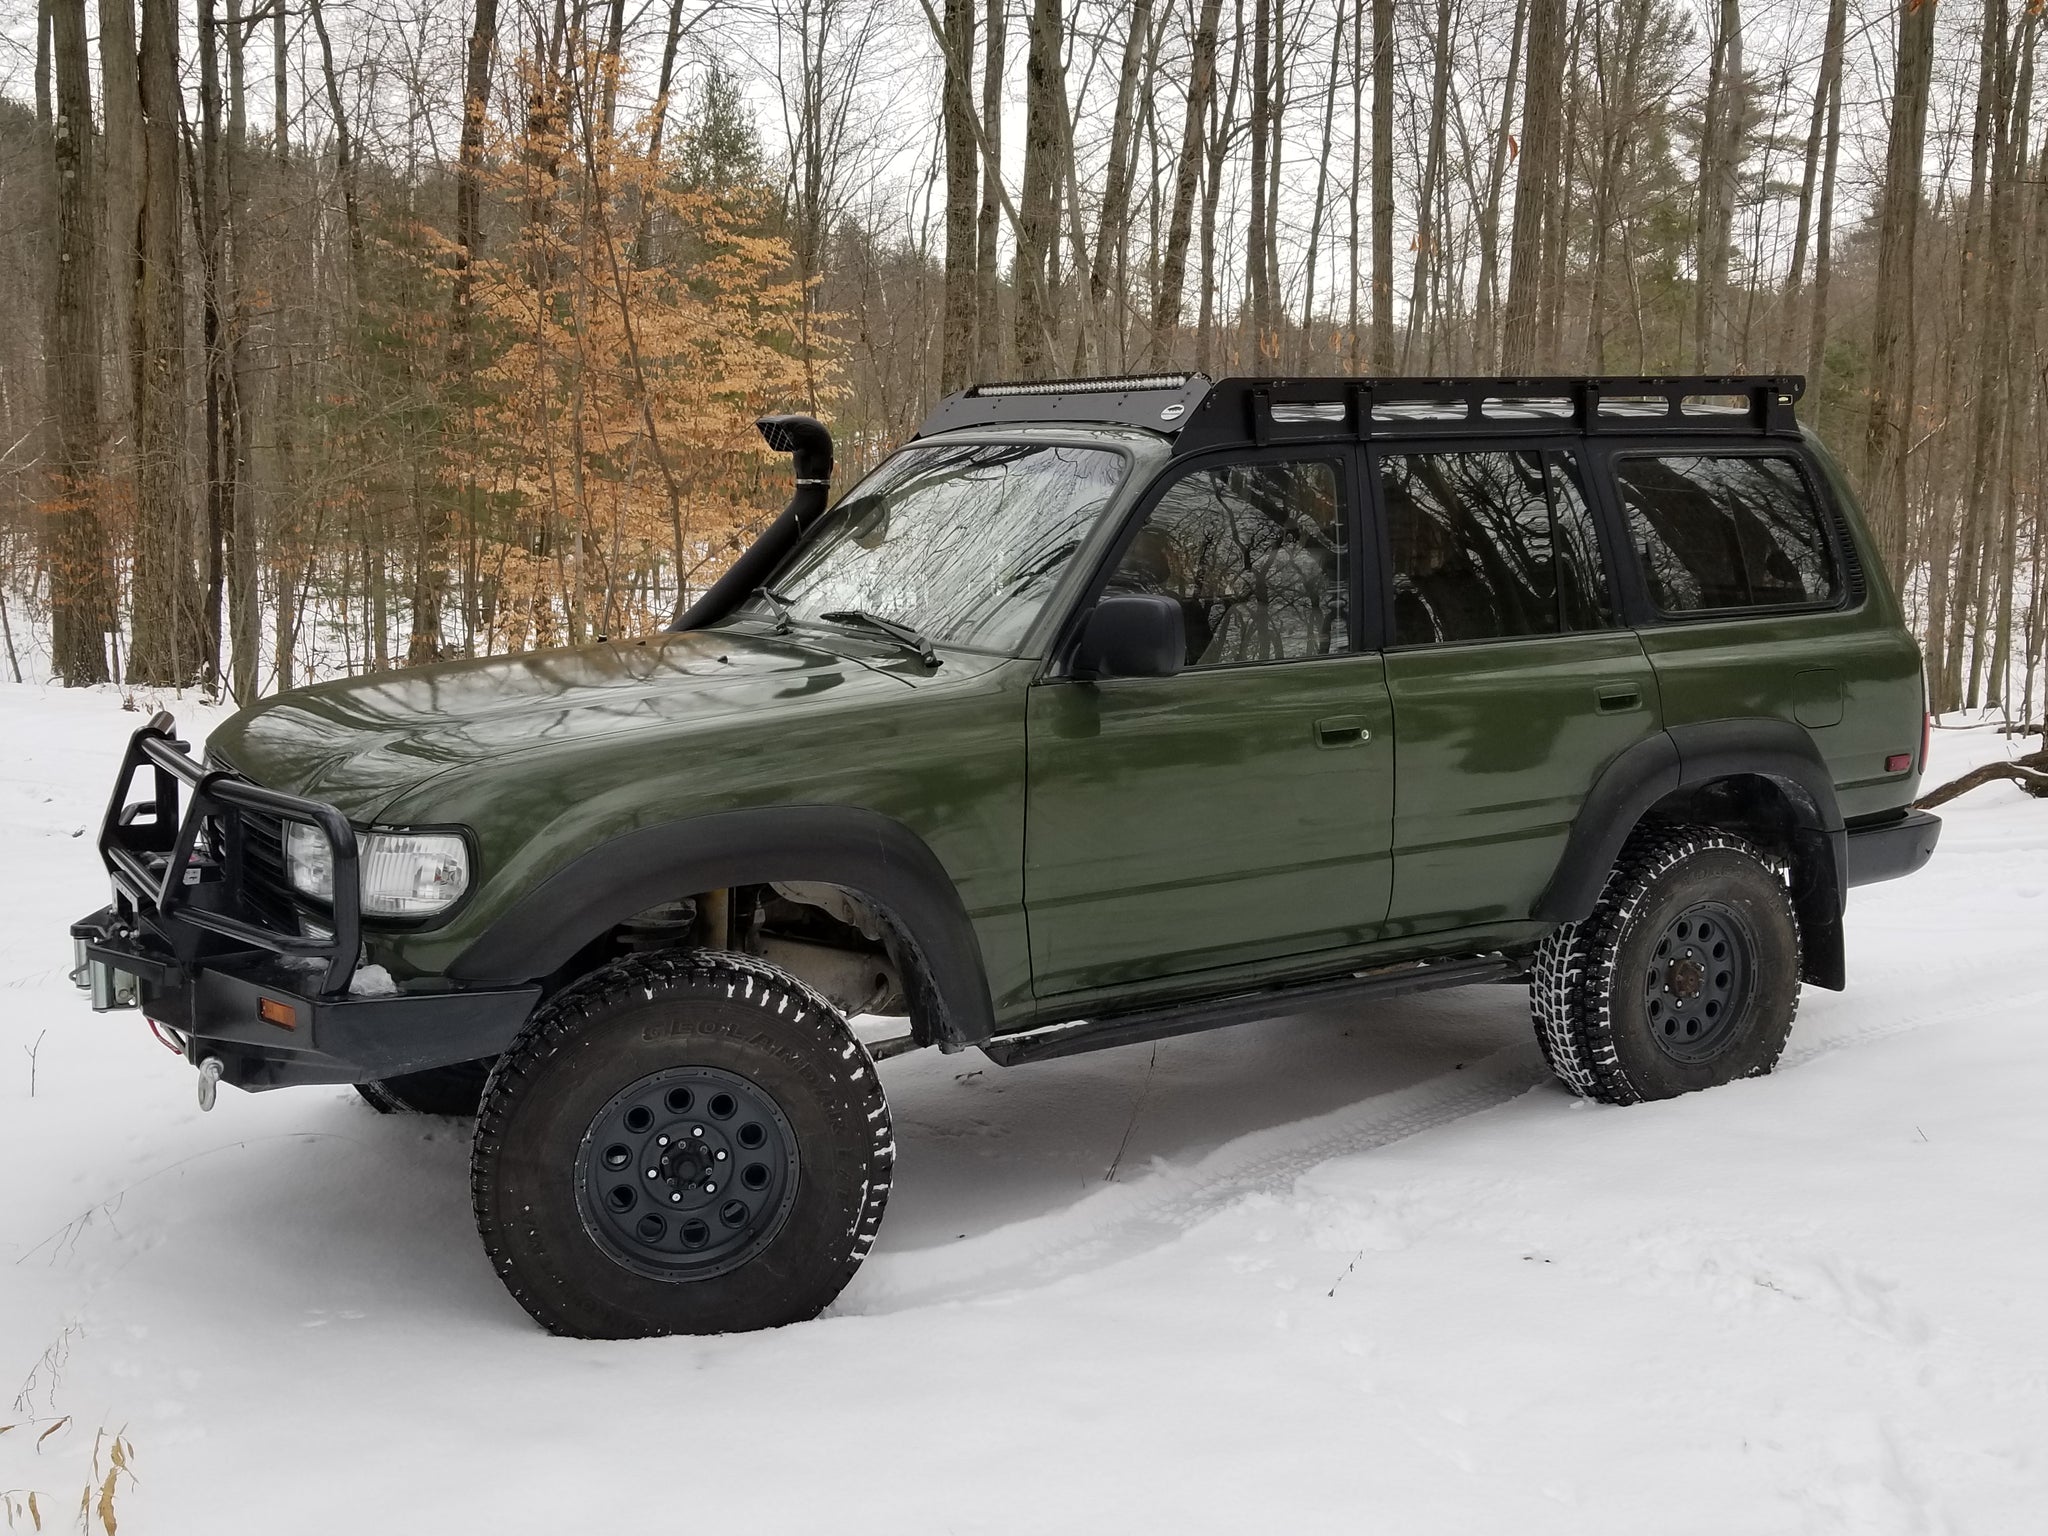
[1699,754]
[1892,849]
[833,844]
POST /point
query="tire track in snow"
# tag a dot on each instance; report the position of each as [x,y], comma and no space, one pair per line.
[1127,1219]
[1124,1219]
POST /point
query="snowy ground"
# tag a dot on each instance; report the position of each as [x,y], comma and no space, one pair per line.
[1347,1272]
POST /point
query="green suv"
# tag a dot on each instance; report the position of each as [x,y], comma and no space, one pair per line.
[1102,711]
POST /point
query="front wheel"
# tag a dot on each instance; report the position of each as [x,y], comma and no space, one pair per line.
[690,1143]
[1685,975]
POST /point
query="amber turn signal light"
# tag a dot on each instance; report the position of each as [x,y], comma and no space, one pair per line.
[271,1011]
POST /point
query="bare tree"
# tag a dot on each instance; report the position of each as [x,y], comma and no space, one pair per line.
[74,548]
[166,644]
[956,364]
[1892,341]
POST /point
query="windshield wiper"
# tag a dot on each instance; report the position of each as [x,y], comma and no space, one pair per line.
[781,606]
[902,634]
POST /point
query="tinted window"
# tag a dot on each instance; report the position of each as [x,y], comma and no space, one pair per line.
[1489,545]
[1255,555]
[1726,531]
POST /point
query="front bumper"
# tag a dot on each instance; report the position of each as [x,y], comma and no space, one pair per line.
[268,1028]
[194,942]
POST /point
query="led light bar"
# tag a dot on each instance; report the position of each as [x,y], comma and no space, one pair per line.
[1123,385]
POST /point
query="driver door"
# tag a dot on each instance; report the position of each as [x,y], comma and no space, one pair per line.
[1240,811]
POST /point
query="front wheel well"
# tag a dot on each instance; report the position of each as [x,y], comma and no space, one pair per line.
[837,940]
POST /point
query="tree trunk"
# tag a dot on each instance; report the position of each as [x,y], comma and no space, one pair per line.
[1218,146]
[1305,342]
[1432,168]
[1038,206]
[1535,171]
[1383,185]
[1116,191]
[1261,299]
[1487,301]
[75,544]
[430,581]
[988,222]
[1824,219]
[1888,436]
[1720,170]
[166,645]
[120,184]
[957,349]
[1187,175]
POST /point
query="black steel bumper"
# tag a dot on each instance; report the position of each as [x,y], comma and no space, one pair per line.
[1892,848]
[195,940]
[269,1027]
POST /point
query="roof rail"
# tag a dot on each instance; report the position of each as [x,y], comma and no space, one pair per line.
[1200,415]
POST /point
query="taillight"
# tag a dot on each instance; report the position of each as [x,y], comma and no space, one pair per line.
[1926,737]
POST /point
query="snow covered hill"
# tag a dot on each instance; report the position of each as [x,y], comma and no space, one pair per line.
[1364,1271]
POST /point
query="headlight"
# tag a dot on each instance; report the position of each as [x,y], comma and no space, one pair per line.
[404,874]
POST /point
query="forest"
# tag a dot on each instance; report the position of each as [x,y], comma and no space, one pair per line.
[360,333]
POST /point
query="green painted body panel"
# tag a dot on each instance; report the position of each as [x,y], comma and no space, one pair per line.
[1110,842]
[1497,743]
[545,756]
[1224,816]
[1851,676]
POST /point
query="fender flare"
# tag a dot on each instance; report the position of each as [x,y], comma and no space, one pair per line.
[837,845]
[1684,757]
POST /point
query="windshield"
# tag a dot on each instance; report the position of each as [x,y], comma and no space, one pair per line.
[962,543]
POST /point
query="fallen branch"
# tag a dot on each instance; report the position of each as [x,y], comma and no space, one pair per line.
[2029,772]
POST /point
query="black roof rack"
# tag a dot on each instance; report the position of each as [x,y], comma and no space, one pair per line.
[1199,414]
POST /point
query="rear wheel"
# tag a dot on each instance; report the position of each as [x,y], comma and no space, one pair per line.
[1685,975]
[689,1143]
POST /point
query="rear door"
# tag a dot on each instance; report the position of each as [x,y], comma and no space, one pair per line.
[1240,811]
[1754,606]
[1511,681]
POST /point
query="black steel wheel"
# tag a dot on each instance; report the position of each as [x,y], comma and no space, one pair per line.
[681,1143]
[1698,982]
[1685,975]
[687,1173]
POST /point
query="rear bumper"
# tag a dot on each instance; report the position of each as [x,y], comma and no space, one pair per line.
[1891,849]
[234,1012]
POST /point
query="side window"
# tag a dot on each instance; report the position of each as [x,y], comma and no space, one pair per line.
[1727,530]
[1490,545]
[1255,554]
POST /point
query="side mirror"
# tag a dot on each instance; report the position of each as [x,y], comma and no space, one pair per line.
[1132,634]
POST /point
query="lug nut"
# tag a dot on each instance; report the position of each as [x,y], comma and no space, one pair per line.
[710,1189]
[721,1156]
[652,1174]
[676,1199]
[696,1130]
[661,1141]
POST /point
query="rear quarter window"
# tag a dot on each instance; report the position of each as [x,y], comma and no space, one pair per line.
[1717,532]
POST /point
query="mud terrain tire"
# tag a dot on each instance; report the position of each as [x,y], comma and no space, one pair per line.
[610,1125]
[1684,976]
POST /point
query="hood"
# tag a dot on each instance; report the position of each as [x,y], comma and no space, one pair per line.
[361,742]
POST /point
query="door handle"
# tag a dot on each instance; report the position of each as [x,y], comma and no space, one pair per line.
[1343,730]
[1616,698]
